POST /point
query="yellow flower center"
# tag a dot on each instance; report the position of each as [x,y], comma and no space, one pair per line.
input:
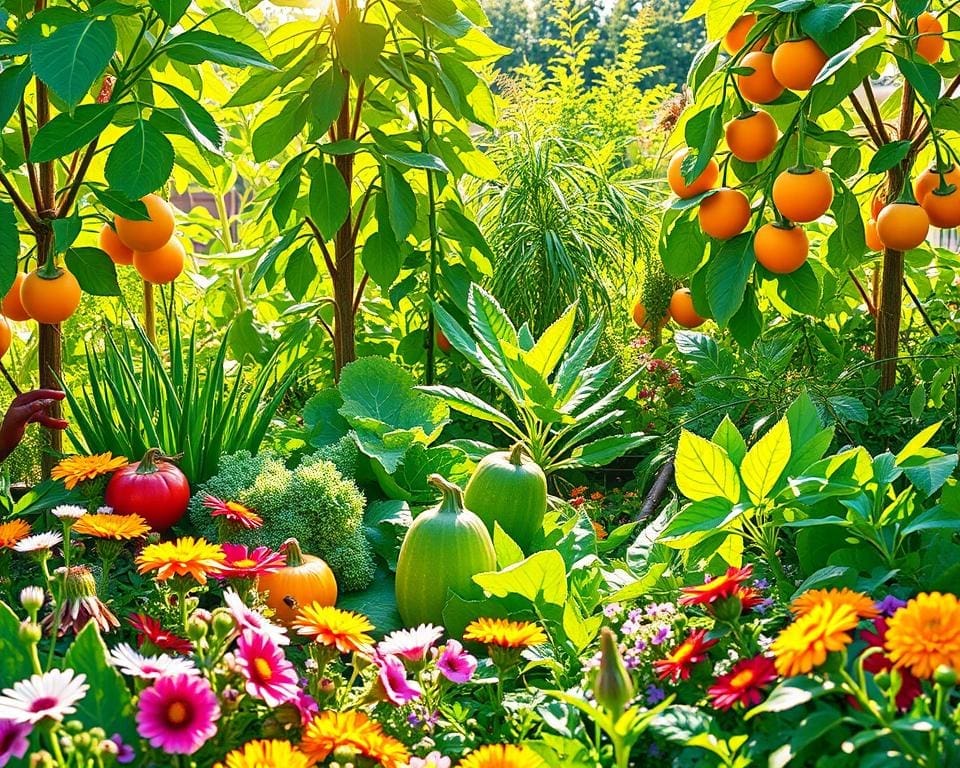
[238,509]
[177,713]
[742,680]
[682,653]
[244,563]
[263,668]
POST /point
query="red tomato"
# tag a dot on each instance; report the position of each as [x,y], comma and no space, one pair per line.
[153,488]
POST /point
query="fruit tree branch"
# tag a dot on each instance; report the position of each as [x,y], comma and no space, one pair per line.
[875,110]
[920,309]
[331,268]
[867,122]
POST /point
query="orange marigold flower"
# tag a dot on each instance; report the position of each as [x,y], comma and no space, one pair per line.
[862,605]
[352,732]
[596,496]
[578,491]
[266,753]
[108,526]
[13,531]
[716,589]
[334,627]
[805,643]
[76,469]
[691,651]
[505,633]
[187,556]
[925,633]
[502,756]
[599,530]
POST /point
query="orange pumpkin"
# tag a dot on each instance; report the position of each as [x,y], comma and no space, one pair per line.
[305,579]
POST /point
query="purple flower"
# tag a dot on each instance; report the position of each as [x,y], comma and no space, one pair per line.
[761,583]
[663,634]
[763,606]
[456,664]
[890,605]
[655,695]
[629,627]
[392,680]
[611,610]
[635,614]
[125,753]
[13,740]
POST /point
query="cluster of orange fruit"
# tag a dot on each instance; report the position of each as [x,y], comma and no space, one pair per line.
[150,246]
[804,194]
[680,310]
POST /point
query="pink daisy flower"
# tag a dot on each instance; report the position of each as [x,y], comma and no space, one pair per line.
[392,681]
[411,645]
[135,664]
[306,705]
[456,664]
[241,563]
[268,673]
[247,619]
[13,740]
[52,695]
[178,714]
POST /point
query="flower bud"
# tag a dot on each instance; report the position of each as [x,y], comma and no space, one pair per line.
[196,628]
[41,759]
[727,608]
[223,623]
[73,726]
[30,632]
[31,598]
[97,733]
[945,676]
[613,687]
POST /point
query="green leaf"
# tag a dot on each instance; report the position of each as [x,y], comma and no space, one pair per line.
[765,462]
[706,143]
[140,162]
[727,273]
[72,58]
[401,202]
[272,252]
[382,259]
[118,204]
[409,481]
[923,77]
[728,437]
[800,289]
[170,11]
[198,45]
[821,22]
[329,199]
[67,132]
[271,136]
[421,160]
[107,703]
[789,694]
[13,82]
[601,452]
[377,602]
[465,402]
[300,273]
[200,123]
[359,44]
[15,664]
[682,247]
[549,348]
[9,246]
[888,156]
[918,443]
[326,98]
[540,578]
[94,270]
[65,232]
[918,400]
[702,516]
[704,471]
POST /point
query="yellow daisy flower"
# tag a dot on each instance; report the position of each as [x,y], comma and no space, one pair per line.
[334,627]
[186,556]
[118,527]
[76,469]
[862,605]
[806,642]
[266,753]
[502,756]
[505,633]
[925,633]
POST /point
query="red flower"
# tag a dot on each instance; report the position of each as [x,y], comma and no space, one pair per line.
[691,651]
[744,684]
[716,589]
[149,630]
[749,598]
[233,512]
[910,686]
[242,563]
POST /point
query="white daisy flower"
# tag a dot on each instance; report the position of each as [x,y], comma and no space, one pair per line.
[68,512]
[135,664]
[53,695]
[39,542]
[248,619]
[31,598]
[104,510]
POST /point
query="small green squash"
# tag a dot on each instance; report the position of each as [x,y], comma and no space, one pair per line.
[510,489]
[443,550]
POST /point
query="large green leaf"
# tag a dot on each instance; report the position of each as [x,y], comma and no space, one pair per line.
[13,82]
[199,123]
[541,579]
[704,470]
[198,45]
[765,462]
[67,132]
[401,202]
[15,662]
[601,452]
[381,258]
[140,162]
[359,44]
[94,270]
[329,198]
[72,58]
[107,703]
[465,402]
[727,274]
[9,247]
[170,11]
[271,136]
[548,350]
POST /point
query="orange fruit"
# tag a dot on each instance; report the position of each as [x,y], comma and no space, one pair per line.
[111,245]
[161,265]
[874,243]
[796,63]
[682,311]
[724,214]
[761,86]
[929,180]
[943,210]
[11,306]
[752,137]
[802,194]
[147,235]
[50,300]
[640,317]
[930,43]
[699,185]
[736,38]
[781,249]
[443,343]
[5,336]
[902,226]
